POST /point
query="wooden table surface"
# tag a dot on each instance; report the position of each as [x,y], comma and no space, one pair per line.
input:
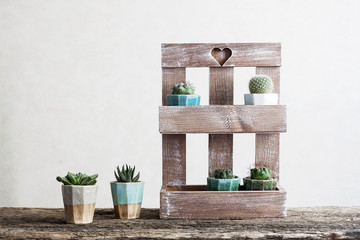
[301,223]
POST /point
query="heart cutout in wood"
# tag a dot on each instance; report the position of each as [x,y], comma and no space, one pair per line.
[221,56]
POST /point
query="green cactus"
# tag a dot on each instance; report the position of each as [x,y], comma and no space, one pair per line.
[260,173]
[224,174]
[77,179]
[126,174]
[183,88]
[260,84]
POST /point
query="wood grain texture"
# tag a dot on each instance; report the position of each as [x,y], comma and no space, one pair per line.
[170,76]
[274,73]
[127,211]
[189,202]
[222,119]
[267,152]
[173,146]
[174,159]
[199,54]
[221,92]
[300,223]
[267,146]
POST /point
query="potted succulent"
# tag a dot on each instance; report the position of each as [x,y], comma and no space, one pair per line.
[224,180]
[79,195]
[261,87]
[260,179]
[183,95]
[127,192]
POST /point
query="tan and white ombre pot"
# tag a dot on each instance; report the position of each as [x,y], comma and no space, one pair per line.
[79,203]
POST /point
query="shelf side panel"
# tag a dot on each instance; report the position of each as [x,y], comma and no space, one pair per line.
[267,146]
[221,92]
[173,145]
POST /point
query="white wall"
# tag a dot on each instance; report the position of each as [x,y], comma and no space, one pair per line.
[80,86]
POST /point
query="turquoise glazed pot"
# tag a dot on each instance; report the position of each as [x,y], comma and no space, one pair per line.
[127,198]
[182,100]
[215,184]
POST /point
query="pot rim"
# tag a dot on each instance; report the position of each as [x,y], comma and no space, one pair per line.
[249,178]
[236,177]
[80,186]
[261,94]
[182,95]
[116,182]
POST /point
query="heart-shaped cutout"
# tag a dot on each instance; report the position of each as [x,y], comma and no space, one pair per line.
[221,56]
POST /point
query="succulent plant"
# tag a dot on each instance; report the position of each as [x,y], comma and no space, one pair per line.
[260,173]
[260,84]
[77,179]
[126,174]
[224,174]
[183,88]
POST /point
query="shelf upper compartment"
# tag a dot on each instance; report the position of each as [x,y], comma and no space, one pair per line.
[222,119]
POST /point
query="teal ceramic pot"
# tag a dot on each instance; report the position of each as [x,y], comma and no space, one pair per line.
[214,184]
[254,184]
[182,100]
[127,198]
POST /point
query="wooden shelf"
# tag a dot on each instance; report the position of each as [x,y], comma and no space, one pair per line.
[195,201]
[222,119]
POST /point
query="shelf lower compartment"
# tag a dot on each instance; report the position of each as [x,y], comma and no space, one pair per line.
[195,202]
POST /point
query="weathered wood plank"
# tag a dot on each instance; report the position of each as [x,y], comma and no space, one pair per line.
[300,223]
[221,92]
[189,202]
[267,152]
[200,54]
[173,146]
[222,119]
[267,146]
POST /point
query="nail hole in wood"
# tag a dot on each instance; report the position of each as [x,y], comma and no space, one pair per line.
[221,55]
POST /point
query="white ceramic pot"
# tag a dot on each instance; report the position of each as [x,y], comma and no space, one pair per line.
[79,203]
[261,99]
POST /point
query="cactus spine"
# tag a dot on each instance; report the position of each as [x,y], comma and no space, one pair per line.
[260,173]
[223,174]
[183,88]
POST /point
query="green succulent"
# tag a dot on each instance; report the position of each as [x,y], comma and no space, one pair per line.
[260,173]
[224,174]
[183,88]
[126,174]
[77,179]
[261,84]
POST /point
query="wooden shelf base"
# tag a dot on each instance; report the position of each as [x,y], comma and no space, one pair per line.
[195,202]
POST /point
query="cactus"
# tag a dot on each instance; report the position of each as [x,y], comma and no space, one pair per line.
[260,173]
[223,174]
[126,174]
[260,84]
[77,179]
[183,88]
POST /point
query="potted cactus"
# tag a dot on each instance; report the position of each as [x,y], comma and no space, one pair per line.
[261,87]
[183,95]
[127,192]
[260,179]
[224,180]
[79,195]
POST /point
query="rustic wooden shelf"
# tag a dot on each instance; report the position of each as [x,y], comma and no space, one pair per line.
[196,202]
[222,119]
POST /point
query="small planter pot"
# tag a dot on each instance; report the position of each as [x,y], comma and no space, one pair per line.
[127,199]
[79,203]
[261,99]
[214,184]
[254,184]
[183,100]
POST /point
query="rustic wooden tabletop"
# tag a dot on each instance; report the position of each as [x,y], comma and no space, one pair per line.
[300,223]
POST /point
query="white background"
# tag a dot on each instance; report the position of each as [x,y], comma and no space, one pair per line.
[80,86]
